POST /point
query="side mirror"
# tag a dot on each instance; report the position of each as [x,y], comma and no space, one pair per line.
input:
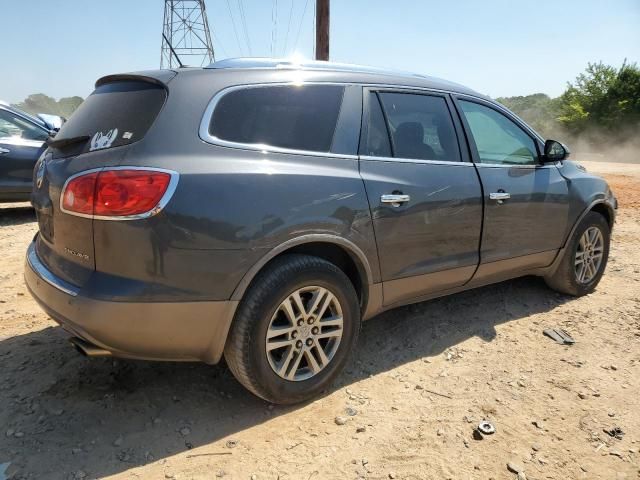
[53,122]
[555,151]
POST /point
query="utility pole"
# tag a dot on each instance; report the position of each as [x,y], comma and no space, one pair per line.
[322,29]
[186,40]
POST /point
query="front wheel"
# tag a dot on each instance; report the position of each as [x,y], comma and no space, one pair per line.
[585,257]
[294,329]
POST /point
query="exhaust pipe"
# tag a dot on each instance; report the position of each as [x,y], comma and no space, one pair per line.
[88,349]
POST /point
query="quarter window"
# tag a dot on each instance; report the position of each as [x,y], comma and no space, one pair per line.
[420,127]
[497,138]
[293,117]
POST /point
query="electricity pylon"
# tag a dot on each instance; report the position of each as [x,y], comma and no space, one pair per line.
[186,40]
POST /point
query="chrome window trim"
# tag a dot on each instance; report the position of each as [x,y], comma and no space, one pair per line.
[171,188]
[39,269]
[513,165]
[264,148]
[205,136]
[417,161]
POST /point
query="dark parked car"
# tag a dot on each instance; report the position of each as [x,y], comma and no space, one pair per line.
[22,138]
[259,209]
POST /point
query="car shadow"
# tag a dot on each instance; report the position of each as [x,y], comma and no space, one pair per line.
[106,416]
[11,214]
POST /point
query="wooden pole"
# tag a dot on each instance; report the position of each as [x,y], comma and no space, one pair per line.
[322,29]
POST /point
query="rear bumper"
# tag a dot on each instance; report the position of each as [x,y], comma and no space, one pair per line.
[176,331]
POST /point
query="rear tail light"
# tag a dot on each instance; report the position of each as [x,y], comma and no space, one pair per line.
[118,193]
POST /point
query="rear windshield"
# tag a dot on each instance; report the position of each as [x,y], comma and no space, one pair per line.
[115,114]
[294,117]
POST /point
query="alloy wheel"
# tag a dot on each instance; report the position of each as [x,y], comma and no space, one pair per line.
[304,333]
[589,255]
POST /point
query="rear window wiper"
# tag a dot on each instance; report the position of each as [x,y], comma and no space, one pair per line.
[64,142]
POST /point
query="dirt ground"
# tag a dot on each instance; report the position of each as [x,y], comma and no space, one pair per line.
[419,382]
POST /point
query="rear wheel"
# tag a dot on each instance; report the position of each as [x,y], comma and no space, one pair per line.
[585,257]
[294,329]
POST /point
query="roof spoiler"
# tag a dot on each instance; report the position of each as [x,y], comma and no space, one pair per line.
[157,77]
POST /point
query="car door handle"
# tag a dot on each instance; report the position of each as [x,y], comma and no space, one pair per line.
[499,196]
[4,150]
[395,199]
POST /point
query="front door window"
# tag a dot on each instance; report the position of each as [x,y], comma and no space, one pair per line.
[498,139]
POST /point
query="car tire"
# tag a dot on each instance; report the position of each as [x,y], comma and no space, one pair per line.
[271,306]
[569,278]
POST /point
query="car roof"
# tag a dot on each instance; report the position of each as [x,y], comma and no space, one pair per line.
[344,72]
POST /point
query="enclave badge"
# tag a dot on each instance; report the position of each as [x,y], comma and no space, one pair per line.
[81,255]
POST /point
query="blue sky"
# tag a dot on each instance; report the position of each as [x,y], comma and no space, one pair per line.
[497,47]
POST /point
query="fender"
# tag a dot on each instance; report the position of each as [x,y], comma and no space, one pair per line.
[550,270]
[584,213]
[354,251]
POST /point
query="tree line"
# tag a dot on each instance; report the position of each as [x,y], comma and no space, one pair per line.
[600,107]
[41,103]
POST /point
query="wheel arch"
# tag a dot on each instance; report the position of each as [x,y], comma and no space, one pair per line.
[605,210]
[337,250]
[600,206]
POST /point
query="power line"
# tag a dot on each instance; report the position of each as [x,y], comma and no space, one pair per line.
[219,43]
[274,28]
[286,38]
[300,25]
[235,31]
[244,25]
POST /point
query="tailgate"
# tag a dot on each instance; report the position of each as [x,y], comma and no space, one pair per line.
[99,134]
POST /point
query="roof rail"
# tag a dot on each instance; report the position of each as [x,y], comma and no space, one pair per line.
[303,64]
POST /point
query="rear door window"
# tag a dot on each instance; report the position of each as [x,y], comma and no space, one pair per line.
[420,126]
[291,117]
[115,114]
[376,136]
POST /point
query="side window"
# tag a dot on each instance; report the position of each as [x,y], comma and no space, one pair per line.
[294,117]
[498,139]
[14,127]
[420,126]
[376,143]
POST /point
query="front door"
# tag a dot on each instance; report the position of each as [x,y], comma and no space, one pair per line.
[424,193]
[526,202]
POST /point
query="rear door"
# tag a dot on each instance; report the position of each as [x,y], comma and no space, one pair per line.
[424,193]
[526,202]
[100,133]
[21,143]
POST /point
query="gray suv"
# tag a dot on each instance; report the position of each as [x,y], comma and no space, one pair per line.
[260,210]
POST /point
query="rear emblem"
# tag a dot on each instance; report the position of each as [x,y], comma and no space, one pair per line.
[40,173]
